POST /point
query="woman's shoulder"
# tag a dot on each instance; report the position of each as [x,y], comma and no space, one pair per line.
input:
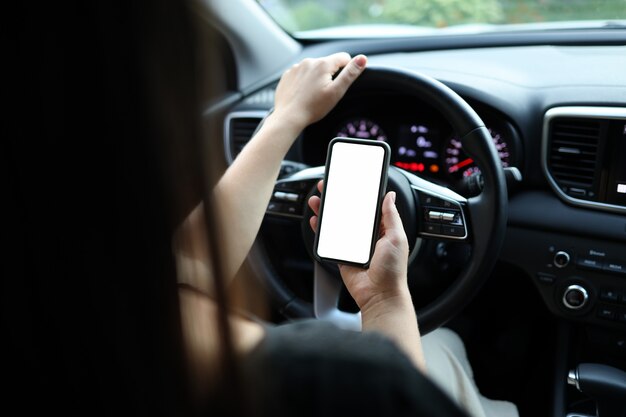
[313,368]
[317,339]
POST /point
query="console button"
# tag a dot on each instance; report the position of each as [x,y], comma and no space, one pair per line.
[609,295]
[606,312]
[546,278]
[615,267]
[589,263]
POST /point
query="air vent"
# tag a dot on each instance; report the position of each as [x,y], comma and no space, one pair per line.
[573,155]
[238,130]
[583,155]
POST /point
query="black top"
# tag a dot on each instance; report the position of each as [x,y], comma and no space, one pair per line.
[311,368]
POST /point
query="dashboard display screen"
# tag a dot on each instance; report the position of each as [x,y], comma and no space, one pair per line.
[417,148]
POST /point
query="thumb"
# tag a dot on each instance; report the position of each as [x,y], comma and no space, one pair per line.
[391,221]
[350,73]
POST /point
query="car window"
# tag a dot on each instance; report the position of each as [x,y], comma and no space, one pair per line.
[373,18]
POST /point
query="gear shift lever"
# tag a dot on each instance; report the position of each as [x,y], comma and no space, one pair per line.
[605,384]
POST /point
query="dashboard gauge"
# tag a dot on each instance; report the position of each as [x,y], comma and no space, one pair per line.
[417,148]
[362,128]
[458,164]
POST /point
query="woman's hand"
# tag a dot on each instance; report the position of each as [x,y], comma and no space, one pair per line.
[307,91]
[386,277]
[381,291]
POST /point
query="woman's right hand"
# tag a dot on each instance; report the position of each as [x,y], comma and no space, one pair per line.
[382,291]
[386,277]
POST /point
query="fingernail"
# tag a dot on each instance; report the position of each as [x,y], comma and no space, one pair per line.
[393,196]
[360,60]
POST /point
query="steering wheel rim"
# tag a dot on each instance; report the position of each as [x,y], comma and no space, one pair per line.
[486,213]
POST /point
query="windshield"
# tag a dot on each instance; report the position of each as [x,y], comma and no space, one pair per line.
[373,18]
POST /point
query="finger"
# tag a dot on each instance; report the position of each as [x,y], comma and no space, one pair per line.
[350,72]
[338,60]
[313,222]
[314,203]
[320,186]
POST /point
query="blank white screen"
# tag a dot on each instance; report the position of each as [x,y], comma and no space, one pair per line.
[351,196]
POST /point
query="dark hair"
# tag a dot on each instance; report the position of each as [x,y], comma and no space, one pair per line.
[103,161]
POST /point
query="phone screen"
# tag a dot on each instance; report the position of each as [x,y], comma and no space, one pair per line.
[356,177]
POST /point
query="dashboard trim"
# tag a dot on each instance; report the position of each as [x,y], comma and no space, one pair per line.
[612,113]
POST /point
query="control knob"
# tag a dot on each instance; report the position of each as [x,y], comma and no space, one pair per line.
[575,297]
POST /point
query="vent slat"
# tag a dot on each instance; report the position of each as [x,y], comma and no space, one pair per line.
[573,152]
[241,130]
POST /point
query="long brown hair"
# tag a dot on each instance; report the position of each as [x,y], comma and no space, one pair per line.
[180,77]
[104,159]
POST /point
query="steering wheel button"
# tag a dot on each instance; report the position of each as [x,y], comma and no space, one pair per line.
[429,200]
[291,197]
[432,228]
[453,231]
[448,217]
[275,207]
[434,216]
[292,209]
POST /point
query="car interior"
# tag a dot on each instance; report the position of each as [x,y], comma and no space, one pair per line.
[508,157]
[525,258]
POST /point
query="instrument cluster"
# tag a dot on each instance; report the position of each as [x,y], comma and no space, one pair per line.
[422,142]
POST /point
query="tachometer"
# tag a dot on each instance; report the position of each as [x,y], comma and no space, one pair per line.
[362,128]
[458,164]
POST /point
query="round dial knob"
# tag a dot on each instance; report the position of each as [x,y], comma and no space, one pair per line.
[575,297]
[561,259]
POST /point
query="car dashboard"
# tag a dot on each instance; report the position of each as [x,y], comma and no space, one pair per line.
[557,113]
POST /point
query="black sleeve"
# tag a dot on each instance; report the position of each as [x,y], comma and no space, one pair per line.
[315,369]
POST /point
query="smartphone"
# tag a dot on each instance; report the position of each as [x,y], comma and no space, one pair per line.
[354,187]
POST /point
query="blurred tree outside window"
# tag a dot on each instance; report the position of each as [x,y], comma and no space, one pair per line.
[302,15]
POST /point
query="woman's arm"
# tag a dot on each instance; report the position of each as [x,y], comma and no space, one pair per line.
[382,291]
[305,94]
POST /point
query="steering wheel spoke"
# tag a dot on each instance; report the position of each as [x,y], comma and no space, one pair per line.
[326,289]
[289,195]
[442,212]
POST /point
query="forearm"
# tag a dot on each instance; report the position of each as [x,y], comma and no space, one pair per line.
[242,194]
[395,318]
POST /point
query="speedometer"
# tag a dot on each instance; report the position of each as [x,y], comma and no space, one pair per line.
[458,164]
[361,128]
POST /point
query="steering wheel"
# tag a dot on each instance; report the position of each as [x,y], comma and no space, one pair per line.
[428,211]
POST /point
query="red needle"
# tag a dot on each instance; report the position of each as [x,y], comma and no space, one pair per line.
[455,167]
